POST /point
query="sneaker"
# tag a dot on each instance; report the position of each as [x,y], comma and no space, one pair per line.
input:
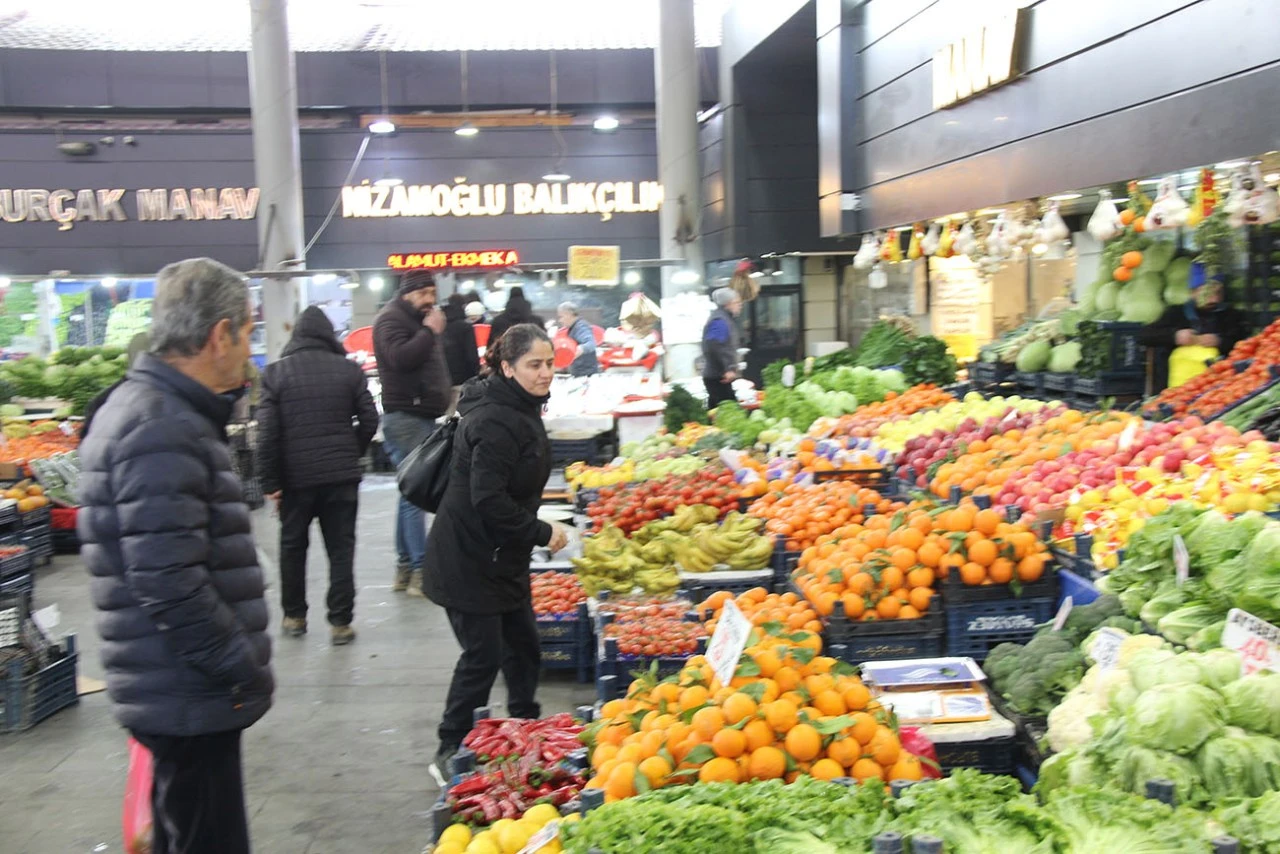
[341,635]
[403,574]
[415,584]
[294,627]
[443,760]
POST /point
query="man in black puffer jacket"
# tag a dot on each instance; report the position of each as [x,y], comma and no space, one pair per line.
[166,537]
[309,454]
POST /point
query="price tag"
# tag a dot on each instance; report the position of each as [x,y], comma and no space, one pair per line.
[727,643]
[789,376]
[1130,433]
[1064,611]
[1181,560]
[1106,648]
[549,831]
[1257,641]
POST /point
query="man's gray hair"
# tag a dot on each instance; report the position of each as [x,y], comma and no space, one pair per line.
[723,296]
[571,307]
[192,296]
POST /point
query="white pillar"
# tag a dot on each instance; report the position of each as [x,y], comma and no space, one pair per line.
[675,70]
[277,164]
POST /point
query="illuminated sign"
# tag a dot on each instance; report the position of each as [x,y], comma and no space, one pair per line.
[594,265]
[982,60]
[604,198]
[68,207]
[453,260]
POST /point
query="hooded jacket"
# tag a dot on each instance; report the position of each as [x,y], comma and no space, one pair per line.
[719,345]
[411,363]
[175,579]
[460,349]
[478,552]
[518,310]
[316,417]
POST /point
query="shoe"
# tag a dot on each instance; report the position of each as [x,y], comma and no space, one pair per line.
[444,759]
[403,574]
[294,627]
[341,635]
[415,584]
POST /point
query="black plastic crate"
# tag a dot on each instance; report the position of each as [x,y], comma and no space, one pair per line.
[976,628]
[990,373]
[707,583]
[956,592]
[18,564]
[841,629]
[29,699]
[610,662]
[1109,385]
[876,477]
[1059,382]
[991,756]
[19,585]
[888,646]
[40,517]
[1125,353]
[784,563]
[574,626]
[1032,383]
[575,450]
[65,541]
[571,655]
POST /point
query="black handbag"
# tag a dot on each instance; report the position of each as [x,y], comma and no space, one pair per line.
[423,477]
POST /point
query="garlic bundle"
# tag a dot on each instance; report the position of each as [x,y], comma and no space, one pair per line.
[1052,229]
[1169,209]
[1104,223]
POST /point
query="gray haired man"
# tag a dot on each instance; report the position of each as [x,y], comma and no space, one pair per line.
[176,582]
[720,347]
[585,363]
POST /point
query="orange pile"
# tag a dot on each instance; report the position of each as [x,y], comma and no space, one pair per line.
[787,610]
[868,419]
[790,712]
[799,515]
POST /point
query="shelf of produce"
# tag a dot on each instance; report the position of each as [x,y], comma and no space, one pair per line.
[1266,389]
[29,699]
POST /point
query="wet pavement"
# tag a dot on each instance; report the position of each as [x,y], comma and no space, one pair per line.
[340,763]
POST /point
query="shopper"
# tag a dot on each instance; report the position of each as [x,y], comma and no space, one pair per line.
[720,347]
[315,422]
[517,310]
[584,364]
[408,343]
[137,346]
[1204,320]
[474,310]
[166,537]
[478,555]
[460,349]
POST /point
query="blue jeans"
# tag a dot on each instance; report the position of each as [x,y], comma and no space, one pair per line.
[401,434]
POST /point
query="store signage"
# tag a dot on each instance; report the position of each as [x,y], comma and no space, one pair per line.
[604,198]
[68,207]
[466,260]
[595,265]
[982,60]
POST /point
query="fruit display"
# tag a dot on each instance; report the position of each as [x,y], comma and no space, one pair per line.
[798,514]
[956,416]
[762,608]
[1009,347]
[582,476]
[1223,384]
[507,789]
[864,423]
[74,374]
[612,561]
[830,394]
[925,453]
[640,633]
[629,507]
[556,594]
[548,740]
[30,496]
[734,543]
[39,440]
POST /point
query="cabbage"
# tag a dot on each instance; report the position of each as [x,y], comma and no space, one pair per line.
[1139,765]
[1071,768]
[1256,823]
[1140,300]
[1217,668]
[1033,357]
[1214,538]
[1105,298]
[1162,667]
[1177,277]
[1178,718]
[1087,304]
[1210,637]
[1231,766]
[1161,604]
[1069,321]
[1253,703]
[1178,626]
[892,380]
[1064,358]
[1158,256]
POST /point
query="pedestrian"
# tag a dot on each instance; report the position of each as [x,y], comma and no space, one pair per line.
[315,422]
[517,310]
[584,364]
[460,349]
[166,536]
[1204,320]
[478,554]
[408,343]
[720,347]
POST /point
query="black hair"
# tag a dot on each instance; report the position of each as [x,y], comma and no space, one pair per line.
[457,299]
[513,344]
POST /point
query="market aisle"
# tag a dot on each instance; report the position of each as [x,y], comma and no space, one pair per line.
[338,765]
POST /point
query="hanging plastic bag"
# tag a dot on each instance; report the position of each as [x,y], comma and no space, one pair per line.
[914,741]
[999,241]
[891,248]
[929,243]
[914,252]
[966,242]
[136,815]
[1251,202]
[947,243]
[1104,223]
[1052,229]
[1170,209]
[868,252]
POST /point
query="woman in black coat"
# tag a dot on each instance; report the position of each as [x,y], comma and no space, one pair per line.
[486,528]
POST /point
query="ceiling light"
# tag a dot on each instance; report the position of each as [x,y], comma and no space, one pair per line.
[989,211]
[349,286]
[904,228]
[323,278]
[605,123]
[470,284]
[779,272]
[684,276]
[556,177]
[376,284]
[466,129]
[1064,197]
[388,182]
[1232,164]
[756,274]
[1000,119]
[501,283]
[109,281]
[631,277]
[552,281]
[1150,182]
[382,126]
[951,123]
[1039,249]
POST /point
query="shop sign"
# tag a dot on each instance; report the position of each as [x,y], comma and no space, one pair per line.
[982,60]
[595,265]
[453,260]
[68,207]
[604,198]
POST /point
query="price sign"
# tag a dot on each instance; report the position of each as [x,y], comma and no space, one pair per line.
[1064,611]
[549,831]
[1181,560]
[727,643]
[1106,648]
[1257,641]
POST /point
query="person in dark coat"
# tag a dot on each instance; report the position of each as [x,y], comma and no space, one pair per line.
[315,422]
[1204,321]
[720,347]
[487,526]
[137,346]
[460,349]
[517,310]
[166,537]
[585,363]
[408,343]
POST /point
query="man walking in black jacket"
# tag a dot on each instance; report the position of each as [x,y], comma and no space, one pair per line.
[408,342]
[460,348]
[315,422]
[165,534]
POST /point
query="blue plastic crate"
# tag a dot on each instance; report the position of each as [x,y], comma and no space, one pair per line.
[29,699]
[974,629]
[991,756]
[1081,590]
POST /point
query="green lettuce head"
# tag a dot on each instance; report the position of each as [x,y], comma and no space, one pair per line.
[1175,717]
[1253,703]
[1140,765]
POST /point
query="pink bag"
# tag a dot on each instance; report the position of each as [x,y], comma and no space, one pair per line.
[136,817]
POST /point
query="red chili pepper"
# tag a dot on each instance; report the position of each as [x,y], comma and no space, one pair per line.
[473,785]
[564,794]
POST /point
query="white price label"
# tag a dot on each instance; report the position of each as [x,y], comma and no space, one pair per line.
[1257,641]
[549,831]
[1130,433]
[727,643]
[1106,648]
[1064,611]
[1181,560]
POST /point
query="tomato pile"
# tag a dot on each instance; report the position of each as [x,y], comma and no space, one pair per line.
[556,593]
[651,632]
[1220,386]
[629,507]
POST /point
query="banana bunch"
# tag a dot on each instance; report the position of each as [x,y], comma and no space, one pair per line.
[612,562]
[734,543]
[683,521]
[582,476]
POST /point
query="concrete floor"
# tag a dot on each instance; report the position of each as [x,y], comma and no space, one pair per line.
[338,766]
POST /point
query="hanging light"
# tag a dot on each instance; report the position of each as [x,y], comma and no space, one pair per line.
[109,281]
[383,124]
[556,175]
[376,284]
[466,129]
[685,276]
[605,123]
[631,277]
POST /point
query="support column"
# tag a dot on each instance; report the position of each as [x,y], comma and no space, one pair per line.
[277,165]
[675,70]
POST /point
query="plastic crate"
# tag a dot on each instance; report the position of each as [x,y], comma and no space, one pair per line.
[571,655]
[991,756]
[574,626]
[575,450]
[18,564]
[1109,385]
[876,477]
[65,542]
[40,517]
[9,515]
[784,563]
[29,699]
[887,646]
[976,628]
[1082,590]
[609,662]
[1125,353]
[21,586]
[699,586]
[954,592]
[990,373]
[1063,383]
[1030,382]
[1077,557]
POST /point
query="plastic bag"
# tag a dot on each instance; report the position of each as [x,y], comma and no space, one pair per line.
[1104,223]
[1190,361]
[929,243]
[1169,210]
[914,741]
[868,252]
[1052,229]
[1251,201]
[136,815]
[914,252]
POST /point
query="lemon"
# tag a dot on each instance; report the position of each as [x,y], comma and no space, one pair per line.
[572,817]
[497,826]
[515,836]
[449,848]
[1259,503]
[541,813]
[483,844]
[458,833]
[1236,502]
[552,847]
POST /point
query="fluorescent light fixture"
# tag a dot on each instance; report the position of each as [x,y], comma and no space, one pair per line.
[631,277]
[1150,182]
[990,211]
[1000,119]
[685,276]
[388,182]
[323,278]
[376,284]
[382,126]
[756,274]
[903,228]
[1064,197]
[109,281]
[1271,177]
[605,123]
[1232,164]
[466,129]
[349,286]
[556,177]
[951,123]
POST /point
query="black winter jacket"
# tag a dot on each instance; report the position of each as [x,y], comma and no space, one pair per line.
[310,396]
[165,534]
[460,349]
[411,362]
[478,552]
[513,317]
[1222,320]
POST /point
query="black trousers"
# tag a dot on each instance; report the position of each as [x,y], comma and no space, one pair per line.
[197,796]
[335,507]
[491,642]
[718,392]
